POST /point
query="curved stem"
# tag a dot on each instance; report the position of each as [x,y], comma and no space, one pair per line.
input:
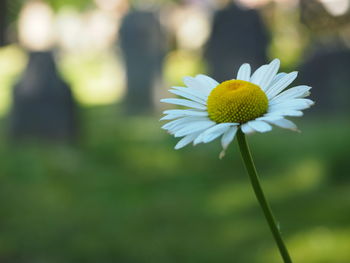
[249,164]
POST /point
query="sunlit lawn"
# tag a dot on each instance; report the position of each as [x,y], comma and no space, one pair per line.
[122,194]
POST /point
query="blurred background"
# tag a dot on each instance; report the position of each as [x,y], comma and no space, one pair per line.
[86,173]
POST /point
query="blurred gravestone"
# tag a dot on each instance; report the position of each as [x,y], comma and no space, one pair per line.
[43,104]
[328,72]
[142,45]
[327,66]
[3,21]
[238,36]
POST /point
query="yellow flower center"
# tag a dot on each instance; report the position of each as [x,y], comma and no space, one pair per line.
[236,101]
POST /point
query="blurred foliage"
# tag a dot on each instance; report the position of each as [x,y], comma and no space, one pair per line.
[289,38]
[12,63]
[122,194]
[182,63]
[96,77]
[77,4]
[14,6]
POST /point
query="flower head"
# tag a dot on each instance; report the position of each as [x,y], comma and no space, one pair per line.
[251,103]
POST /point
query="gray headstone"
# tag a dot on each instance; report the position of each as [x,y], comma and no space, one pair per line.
[3,22]
[328,72]
[43,105]
[142,45]
[238,36]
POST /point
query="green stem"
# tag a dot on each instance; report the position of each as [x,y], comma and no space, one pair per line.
[249,164]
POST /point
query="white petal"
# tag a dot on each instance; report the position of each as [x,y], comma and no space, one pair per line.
[174,114]
[170,125]
[182,126]
[281,84]
[293,104]
[228,137]
[185,140]
[244,72]
[213,136]
[187,112]
[199,138]
[258,74]
[214,132]
[183,102]
[197,84]
[260,126]
[284,112]
[170,117]
[283,123]
[194,127]
[269,74]
[194,92]
[277,78]
[207,81]
[207,133]
[268,118]
[292,93]
[188,96]
[246,128]
[177,116]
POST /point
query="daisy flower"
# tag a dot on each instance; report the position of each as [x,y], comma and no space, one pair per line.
[251,102]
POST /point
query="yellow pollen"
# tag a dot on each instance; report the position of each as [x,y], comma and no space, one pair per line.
[236,101]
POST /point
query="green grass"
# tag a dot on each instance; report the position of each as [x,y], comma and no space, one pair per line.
[122,194]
